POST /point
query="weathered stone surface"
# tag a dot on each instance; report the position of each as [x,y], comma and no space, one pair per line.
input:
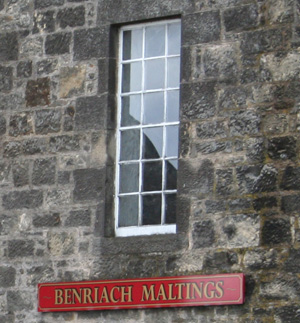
[90,113]
[24,69]
[206,130]
[72,81]
[282,148]
[244,122]
[240,18]
[9,46]
[215,206]
[47,121]
[202,27]
[20,248]
[23,199]
[224,182]
[61,244]
[58,43]
[46,220]
[44,22]
[203,234]
[261,259]
[64,143]
[33,146]
[290,203]
[217,260]
[88,184]
[287,314]
[234,97]
[220,61]
[90,43]
[264,202]
[71,17]
[5,78]
[291,179]
[40,274]
[2,125]
[239,204]
[7,276]
[293,262]
[276,231]
[214,147]
[254,179]
[41,4]
[46,66]
[38,92]
[19,300]
[44,171]
[201,107]
[20,124]
[20,172]
[281,289]
[78,218]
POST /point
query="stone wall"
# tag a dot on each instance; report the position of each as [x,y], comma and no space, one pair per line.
[239,173]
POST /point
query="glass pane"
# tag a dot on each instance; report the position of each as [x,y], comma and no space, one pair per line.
[131,110]
[154,74]
[128,211]
[152,142]
[129,178]
[170,208]
[153,108]
[172,106]
[132,44]
[130,144]
[132,77]
[152,176]
[173,72]
[171,174]
[174,39]
[151,209]
[155,41]
[172,141]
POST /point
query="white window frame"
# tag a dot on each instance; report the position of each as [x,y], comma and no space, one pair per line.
[141,229]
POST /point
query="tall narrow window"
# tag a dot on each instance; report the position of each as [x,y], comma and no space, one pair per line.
[148,125]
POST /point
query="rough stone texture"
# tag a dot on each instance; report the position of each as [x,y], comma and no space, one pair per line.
[238,178]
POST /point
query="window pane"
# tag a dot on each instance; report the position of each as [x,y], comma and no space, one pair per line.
[172,106]
[132,44]
[153,108]
[170,208]
[155,41]
[173,72]
[131,110]
[154,74]
[130,144]
[132,77]
[129,178]
[172,141]
[171,174]
[128,211]
[174,39]
[152,142]
[151,209]
[152,176]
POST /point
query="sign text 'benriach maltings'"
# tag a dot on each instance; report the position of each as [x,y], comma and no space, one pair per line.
[223,289]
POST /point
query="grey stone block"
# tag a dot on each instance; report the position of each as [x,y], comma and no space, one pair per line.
[202,27]
[71,17]
[88,184]
[9,46]
[22,199]
[57,44]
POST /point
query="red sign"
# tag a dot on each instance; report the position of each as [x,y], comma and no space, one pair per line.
[220,289]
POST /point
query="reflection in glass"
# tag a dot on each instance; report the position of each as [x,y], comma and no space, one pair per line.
[171,174]
[172,106]
[152,142]
[174,39]
[172,141]
[153,108]
[151,209]
[154,74]
[130,144]
[155,41]
[170,208]
[152,176]
[173,76]
[131,110]
[129,178]
[132,44]
[128,214]
[132,77]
